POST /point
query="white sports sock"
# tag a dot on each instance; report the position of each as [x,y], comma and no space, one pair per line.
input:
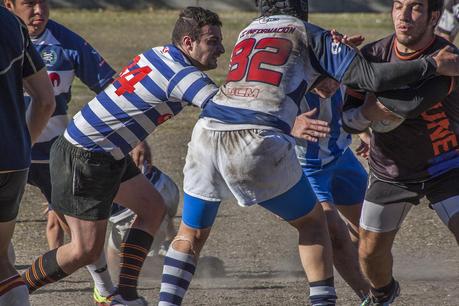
[101,277]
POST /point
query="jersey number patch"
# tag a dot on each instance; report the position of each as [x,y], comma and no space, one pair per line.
[127,86]
[268,51]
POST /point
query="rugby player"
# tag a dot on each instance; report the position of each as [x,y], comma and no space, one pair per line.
[90,163]
[20,67]
[448,25]
[65,55]
[242,143]
[121,218]
[418,159]
[336,176]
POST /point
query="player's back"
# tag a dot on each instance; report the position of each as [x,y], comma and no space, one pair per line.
[15,146]
[274,63]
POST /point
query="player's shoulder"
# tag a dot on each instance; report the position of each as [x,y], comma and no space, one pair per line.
[378,50]
[440,42]
[167,58]
[65,36]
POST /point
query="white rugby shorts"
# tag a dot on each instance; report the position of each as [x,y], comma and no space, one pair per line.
[254,165]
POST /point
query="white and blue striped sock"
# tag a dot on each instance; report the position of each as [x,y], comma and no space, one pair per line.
[178,271]
[322,293]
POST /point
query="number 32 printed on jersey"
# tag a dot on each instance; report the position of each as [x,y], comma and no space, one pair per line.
[251,68]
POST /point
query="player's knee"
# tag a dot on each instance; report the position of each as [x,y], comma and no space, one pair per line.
[370,250]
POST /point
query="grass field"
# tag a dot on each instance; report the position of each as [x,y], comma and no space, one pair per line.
[119,36]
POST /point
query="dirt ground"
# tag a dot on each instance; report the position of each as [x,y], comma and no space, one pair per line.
[259,252]
[261,265]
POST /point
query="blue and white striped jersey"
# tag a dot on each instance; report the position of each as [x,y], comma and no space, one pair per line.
[326,150]
[153,88]
[275,62]
[66,55]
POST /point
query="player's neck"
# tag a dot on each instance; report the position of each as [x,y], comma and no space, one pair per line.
[424,43]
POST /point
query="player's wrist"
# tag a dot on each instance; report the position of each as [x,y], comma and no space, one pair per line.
[355,119]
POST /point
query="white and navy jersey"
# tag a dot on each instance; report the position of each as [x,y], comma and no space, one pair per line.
[66,55]
[326,150]
[449,21]
[275,62]
[18,60]
[154,87]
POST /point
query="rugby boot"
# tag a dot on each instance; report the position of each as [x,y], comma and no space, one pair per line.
[117,300]
[100,299]
[385,300]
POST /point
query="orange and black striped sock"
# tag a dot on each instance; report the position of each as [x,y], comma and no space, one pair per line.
[134,249]
[43,271]
[10,283]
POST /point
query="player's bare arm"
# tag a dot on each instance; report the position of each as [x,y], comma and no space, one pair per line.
[39,88]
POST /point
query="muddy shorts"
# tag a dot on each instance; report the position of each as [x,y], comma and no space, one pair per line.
[254,165]
[387,203]
[85,183]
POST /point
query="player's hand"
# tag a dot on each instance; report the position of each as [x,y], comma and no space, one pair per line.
[141,155]
[447,61]
[363,150]
[310,129]
[374,111]
[351,41]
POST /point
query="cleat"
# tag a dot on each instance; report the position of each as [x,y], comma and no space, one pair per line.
[100,299]
[385,301]
[117,300]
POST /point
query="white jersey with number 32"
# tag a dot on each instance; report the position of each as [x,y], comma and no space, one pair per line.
[275,61]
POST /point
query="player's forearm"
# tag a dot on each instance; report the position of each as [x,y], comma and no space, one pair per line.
[43,103]
[411,102]
[353,121]
[377,77]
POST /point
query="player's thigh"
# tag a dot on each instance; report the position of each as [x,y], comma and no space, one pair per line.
[12,187]
[385,206]
[293,204]
[87,236]
[349,181]
[320,180]
[202,178]
[448,211]
[139,195]
[199,213]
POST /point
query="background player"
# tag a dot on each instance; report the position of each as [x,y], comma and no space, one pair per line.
[20,66]
[424,166]
[336,176]
[241,144]
[65,55]
[448,25]
[93,152]
[121,219]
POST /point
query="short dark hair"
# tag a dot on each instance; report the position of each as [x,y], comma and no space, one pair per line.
[190,22]
[435,6]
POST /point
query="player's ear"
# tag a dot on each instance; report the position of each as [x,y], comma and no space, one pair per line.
[8,4]
[435,16]
[187,43]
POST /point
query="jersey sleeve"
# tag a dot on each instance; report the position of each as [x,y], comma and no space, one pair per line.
[90,67]
[192,86]
[32,60]
[333,58]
